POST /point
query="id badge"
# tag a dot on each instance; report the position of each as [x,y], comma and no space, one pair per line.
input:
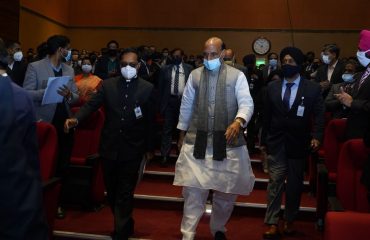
[300,111]
[138,113]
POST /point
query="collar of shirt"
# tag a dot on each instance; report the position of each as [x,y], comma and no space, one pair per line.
[333,66]
[55,68]
[296,81]
[11,65]
[180,67]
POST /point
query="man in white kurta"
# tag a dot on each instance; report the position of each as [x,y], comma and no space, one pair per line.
[232,175]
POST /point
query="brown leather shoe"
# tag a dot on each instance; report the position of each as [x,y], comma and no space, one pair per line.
[272,233]
[289,229]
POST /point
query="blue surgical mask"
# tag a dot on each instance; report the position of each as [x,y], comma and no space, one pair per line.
[69,56]
[326,59]
[361,56]
[347,77]
[212,64]
[273,62]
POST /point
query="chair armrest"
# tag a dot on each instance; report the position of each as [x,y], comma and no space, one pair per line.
[50,183]
[92,159]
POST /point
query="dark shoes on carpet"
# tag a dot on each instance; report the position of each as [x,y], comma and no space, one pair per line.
[128,231]
[220,236]
[272,233]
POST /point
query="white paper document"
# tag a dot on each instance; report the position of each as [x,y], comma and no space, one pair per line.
[51,92]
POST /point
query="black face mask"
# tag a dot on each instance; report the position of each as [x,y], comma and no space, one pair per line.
[177,60]
[112,52]
[315,66]
[290,70]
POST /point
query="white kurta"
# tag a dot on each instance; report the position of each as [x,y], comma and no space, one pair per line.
[232,175]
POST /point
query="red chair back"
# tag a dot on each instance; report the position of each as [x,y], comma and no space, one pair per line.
[48,147]
[350,191]
[333,141]
[87,137]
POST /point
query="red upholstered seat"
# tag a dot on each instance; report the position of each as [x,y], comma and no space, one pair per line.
[85,153]
[47,141]
[351,193]
[333,141]
[48,144]
[347,225]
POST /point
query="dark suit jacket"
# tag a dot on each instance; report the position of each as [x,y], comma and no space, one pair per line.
[358,121]
[18,72]
[336,77]
[20,182]
[333,105]
[284,128]
[121,127]
[165,77]
[101,68]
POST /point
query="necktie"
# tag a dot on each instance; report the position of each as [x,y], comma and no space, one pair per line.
[286,98]
[176,82]
[366,74]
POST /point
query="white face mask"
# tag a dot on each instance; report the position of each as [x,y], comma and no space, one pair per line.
[18,56]
[326,59]
[128,72]
[86,68]
[362,58]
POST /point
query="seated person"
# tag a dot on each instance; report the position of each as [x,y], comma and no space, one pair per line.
[332,104]
[86,82]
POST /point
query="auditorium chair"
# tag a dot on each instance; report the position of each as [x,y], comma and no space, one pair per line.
[48,146]
[351,194]
[334,138]
[84,181]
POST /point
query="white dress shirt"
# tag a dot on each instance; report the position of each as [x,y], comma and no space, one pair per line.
[293,90]
[331,70]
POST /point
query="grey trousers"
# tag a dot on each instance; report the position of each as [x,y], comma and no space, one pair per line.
[280,168]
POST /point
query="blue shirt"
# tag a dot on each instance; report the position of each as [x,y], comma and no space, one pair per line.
[293,90]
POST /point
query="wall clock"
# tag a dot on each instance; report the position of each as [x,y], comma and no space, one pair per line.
[261,45]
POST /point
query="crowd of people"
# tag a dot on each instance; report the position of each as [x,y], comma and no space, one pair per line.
[215,108]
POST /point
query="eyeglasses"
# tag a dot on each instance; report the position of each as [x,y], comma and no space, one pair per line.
[131,64]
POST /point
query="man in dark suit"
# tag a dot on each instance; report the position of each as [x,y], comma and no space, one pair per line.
[108,65]
[172,81]
[129,114]
[230,60]
[272,65]
[291,104]
[331,71]
[359,102]
[17,67]
[21,212]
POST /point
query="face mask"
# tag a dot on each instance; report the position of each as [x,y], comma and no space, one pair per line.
[361,56]
[86,68]
[326,59]
[347,77]
[18,56]
[68,57]
[177,60]
[228,62]
[128,72]
[315,66]
[273,62]
[212,64]
[289,70]
[165,54]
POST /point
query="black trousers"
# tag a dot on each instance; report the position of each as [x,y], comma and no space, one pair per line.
[171,117]
[120,177]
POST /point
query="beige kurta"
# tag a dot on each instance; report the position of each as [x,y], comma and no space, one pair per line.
[232,175]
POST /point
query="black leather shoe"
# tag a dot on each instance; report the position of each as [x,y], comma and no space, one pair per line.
[61,213]
[272,233]
[220,236]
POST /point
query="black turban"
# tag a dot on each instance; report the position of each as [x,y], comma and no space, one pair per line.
[295,53]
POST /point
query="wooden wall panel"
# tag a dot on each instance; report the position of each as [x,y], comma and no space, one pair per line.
[9,19]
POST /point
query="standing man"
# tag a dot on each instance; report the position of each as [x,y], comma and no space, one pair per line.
[36,80]
[108,65]
[215,105]
[172,80]
[290,106]
[229,59]
[331,71]
[129,115]
[17,66]
[21,211]
[359,102]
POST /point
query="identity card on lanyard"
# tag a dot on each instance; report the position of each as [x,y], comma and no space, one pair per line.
[300,111]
